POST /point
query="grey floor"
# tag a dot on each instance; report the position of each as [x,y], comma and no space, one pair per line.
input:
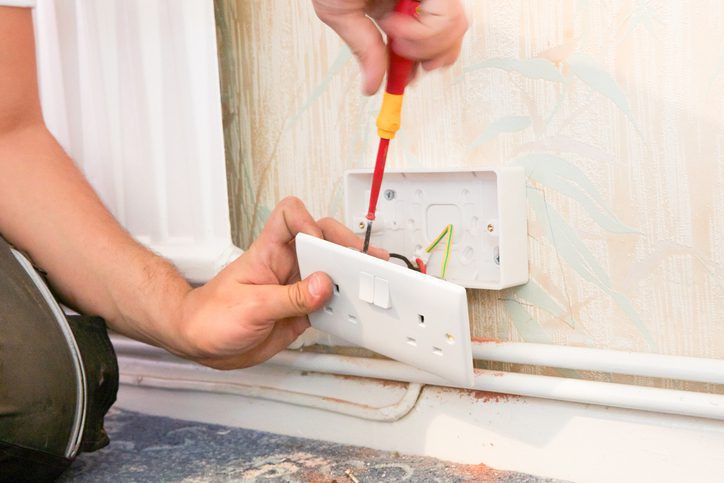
[156,449]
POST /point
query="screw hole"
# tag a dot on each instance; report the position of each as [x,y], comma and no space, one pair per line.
[437,351]
[449,338]
[412,342]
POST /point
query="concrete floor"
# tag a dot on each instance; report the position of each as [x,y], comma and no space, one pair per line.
[155,449]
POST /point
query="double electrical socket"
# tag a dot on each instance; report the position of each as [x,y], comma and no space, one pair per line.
[392,310]
[400,313]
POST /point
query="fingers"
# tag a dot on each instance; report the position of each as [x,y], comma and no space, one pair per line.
[445,60]
[361,35]
[277,302]
[289,218]
[433,38]
[282,334]
[336,232]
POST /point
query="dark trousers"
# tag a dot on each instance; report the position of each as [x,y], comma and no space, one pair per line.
[58,377]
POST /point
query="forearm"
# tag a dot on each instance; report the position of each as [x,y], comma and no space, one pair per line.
[49,210]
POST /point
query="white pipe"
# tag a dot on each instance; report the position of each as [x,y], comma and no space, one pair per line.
[687,403]
[181,381]
[602,360]
[695,369]
[669,401]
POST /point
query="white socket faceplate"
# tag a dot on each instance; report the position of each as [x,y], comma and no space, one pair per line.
[392,310]
[487,208]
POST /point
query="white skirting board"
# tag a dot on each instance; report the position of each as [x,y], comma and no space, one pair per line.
[543,437]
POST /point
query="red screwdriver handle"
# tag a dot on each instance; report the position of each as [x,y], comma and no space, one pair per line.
[388,121]
[398,74]
[400,68]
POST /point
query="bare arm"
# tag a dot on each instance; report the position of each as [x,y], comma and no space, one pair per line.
[49,210]
[253,309]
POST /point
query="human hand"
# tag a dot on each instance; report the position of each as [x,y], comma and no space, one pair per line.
[433,38]
[257,305]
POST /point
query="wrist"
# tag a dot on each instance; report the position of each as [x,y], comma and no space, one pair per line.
[147,303]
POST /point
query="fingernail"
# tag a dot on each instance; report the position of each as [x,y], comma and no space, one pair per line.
[316,285]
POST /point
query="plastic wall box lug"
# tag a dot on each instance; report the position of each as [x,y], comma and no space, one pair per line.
[487,208]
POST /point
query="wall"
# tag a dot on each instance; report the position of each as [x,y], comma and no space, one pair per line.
[615,108]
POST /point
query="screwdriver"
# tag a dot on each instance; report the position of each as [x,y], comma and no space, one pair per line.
[388,121]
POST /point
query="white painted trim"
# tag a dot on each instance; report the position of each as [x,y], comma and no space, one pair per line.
[544,437]
[669,401]
[663,366]
[164,380]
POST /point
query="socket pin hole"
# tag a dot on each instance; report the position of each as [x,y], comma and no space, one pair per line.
[329,309]
[437,351]
[421,320]
[336,289]
[412,341]
[449,338]
[351,318]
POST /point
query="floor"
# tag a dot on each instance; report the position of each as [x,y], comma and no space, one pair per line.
[156,449]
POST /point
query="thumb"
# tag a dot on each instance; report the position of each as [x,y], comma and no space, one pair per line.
[278,302]
[361,35]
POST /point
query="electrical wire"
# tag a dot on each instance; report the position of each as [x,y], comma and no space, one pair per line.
[446,256]
[407,261]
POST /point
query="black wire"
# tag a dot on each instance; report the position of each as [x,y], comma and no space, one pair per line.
[409,264]
[368,234]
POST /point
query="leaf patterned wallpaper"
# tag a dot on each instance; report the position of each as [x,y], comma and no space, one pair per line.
[614,108]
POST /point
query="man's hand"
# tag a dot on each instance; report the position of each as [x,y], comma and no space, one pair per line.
[257,305]
[433,39]
[249,312]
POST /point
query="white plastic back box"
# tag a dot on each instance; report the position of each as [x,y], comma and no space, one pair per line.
[487,208]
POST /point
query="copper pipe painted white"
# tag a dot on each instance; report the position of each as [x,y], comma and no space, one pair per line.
[603,360]
[668,401]
[694,369]
[183,375]
[687,403]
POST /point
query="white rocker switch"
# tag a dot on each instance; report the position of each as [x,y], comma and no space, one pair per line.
[382,293]
[367,287]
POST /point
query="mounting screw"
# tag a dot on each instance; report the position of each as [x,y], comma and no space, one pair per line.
[390,195]
[362,225]
[491,228]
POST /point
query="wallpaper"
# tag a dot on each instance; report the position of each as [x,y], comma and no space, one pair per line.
[614,108]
